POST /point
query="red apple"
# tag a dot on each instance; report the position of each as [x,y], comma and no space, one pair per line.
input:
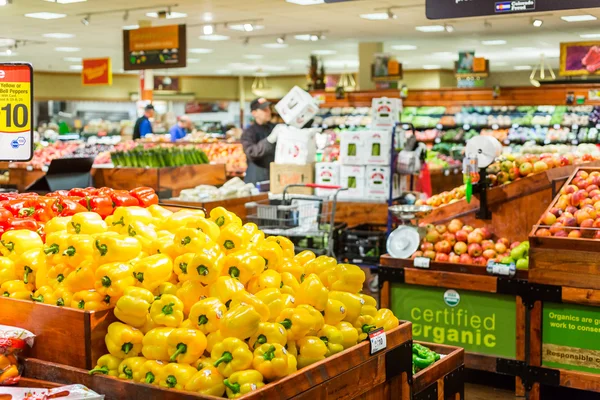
[429,254]
[574,234]
[474,237]
[486,233]
[586,202]
[548,218]
[557,226]
[571,210]
[586,227]
[426,246]
[489,254]
[500,248]
[563,201]
[443,247]
[479,260]
[432,236]
[591,188]
[561,234]
[514,174]
[569,189]
[466,259]
[589,208]
[556,211]
[582,184]
[450,238]
[417,254]
[475,250]
[543,232]
[461,236]
[441,257]
[460,248]
[441,229]
[454,258]
[580,216]
[468,228]
[455,225]
[514,244]
[504,241]
[488,245]
[582,174]
[570,221]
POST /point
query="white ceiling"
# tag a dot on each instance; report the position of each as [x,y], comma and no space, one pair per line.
[341,22]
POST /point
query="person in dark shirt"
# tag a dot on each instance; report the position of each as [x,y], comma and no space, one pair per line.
[259,141]
[143,126]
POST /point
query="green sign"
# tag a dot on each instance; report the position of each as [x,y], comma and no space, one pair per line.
[480,322]
[571,337]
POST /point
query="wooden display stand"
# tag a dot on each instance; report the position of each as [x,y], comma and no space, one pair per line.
[173,179]
[445,378]
[236,205]
[23,177]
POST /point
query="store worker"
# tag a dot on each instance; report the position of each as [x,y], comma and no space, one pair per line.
[143,126]
[180,129]
[259,142]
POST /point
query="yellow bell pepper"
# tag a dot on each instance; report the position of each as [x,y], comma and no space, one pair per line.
[222,217]
[28,263]
[272,299]
[131,368]
[56,244]
[189,240]
[240,322]
[212,339]
[272,254]
[268,332]
[132,308]
[56,297]
[57,274]
[82,278]
[86,223]
[368,300]
[183,268]
[289,284]
[271,360]
[158,212]
[293,268]
[165,288]
[368,310]
[190,293]
[224,288]
[205,226]
[292,349]
[321,266]
[333,339]
[168,311]
[243,297]
[207,381]
[176,376]
[203,361]
[287,246]
[180,219]
[112,279]
[255,235]
[56,224]
[348,278]
[148,326]
[243,382]
[154,344]
[17,290]
[163,245]
[311,291]
[7,270]
[90,300]
[233,238]
[267,279]
[109,249]
[292,364]
[311,349]
[206,267]
[335,312]
[349,334]
[186,345]
[151,271]
[145,234]
[243,265]
[386,319]
[206,314]
[352,304]
[43,295]
[364,324]
[231,355]
[304,257]
[123,341]
[80,248]
[107,365]
[124,216]
[300,321]
[14,243]
[151,371]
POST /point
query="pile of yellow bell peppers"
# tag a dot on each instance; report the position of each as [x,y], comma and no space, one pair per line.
[205,304]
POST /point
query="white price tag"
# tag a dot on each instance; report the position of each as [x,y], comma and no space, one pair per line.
[421,262]
[378,340]
[446,172]
[437,140]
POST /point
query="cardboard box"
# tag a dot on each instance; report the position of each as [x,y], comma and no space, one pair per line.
[377,182]
[297,107]
[385,112]
[295,146]
[353,178]
[377,147]
[352,148]
[327,173]
[282,175]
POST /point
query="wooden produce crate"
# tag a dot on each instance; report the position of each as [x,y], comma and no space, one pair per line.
[173,179]
[443,380]
[63,335]
[353,373]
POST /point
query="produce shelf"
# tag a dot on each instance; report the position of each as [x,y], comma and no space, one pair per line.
[445,378]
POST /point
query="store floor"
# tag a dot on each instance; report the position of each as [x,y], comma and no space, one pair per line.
[480,392]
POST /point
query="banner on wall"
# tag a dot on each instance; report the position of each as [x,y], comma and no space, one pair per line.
[96,72]
[386,69]
[579,58]
[157,47]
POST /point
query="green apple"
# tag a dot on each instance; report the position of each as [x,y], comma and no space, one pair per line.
[507,260]
[523,263]
[518,252]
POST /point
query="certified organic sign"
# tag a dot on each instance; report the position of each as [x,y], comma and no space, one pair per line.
[16,99]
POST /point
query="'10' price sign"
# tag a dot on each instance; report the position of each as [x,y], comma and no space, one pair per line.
[16,114]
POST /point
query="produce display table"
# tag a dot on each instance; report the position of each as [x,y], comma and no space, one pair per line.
[444,379]
[236,205]
[358,213]
[443,180]
[23,177]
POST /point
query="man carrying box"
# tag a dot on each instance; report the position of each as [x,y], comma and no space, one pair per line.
[259,141]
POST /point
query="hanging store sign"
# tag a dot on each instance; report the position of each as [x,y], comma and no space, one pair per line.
[16,112]
[386,69]
[96,72]
[444,9]
[580,58]
[155,47]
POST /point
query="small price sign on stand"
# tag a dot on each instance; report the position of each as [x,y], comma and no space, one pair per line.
[378,340]
[16,112]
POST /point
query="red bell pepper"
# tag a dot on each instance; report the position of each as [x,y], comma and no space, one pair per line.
[8,196]
[22,223]
[122,198]
[146,196]
[23,207]
[67,207]
[58,193]
[78,192]
[44,214]
[4,214]
[104,191]
[102,205]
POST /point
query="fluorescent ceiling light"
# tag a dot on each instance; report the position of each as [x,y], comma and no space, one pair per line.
[6,42]
[8,52]
[248,27]
[193,60]
[3,3]
[522,67]
[430,28]
[432,66]
[375,16]
[342,64]
[171,15]
[76,67]
[130,27]
[67,49]
[498,42]
[305,37]
[213,38]
[66,1]
[275,45]
[298,61]
[72,59]
[404,47]
[590,35]
[207,17]
[578,18]
[200,51]
[58,35]
[208,29]
[306,2]
[45,15]
[537,23]
[240,27]
[324,52]
[253,56]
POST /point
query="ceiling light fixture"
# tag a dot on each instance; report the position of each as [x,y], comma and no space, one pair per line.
[391,15]
[208,29]
[76,67]
[72,59]
[281,39]
[404,47]
[200,51]
[537,22]
[8,52]
[432,66]
[449,28]
[248,27]
[430,28]
[67,49]
[321,36]
[86,20]
[3,3]
[314,38]
[498,42]
[193,60]
[130,27]
[66,1]
[213,38]
[306,2]
[522,67]
[207,17]
[166,14]
[324,52]
[578,18]
[45,15]
[275,45]
[590,36]
[58,35]
[375,16]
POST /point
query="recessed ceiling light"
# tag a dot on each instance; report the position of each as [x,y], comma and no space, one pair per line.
[208,29]
[45,15]
[375,16]
[449,28]
[432,66]
[522,67]
[200,51]
[76,67]
[66,1]
[72,59]
[131,27]
[67,49]
[590,35]
[498,42]
[430,28]
[207,17]
[240,27]
[324,52]
[3,3]
[578,18]
[537,23]
[193,60]
[248,27]
[304,37]
[171,15]
[213,38]
[306,2]
[253,56]
[404,47]
[275,45]
[58,35]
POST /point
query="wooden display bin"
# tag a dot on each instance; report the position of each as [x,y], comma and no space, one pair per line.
[353,373]
[63,335]
[236,205]
[444,379]
[173,179]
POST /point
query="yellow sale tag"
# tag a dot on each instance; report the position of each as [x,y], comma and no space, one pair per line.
[15,98]
[16,115]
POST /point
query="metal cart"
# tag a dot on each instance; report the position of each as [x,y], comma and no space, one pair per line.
[308,221]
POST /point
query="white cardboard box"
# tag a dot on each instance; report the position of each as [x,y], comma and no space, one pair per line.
[327,173]
[385,112]
[297,107]
[377,182]
[295,146]
[352,148]
[353,178]
[377,147]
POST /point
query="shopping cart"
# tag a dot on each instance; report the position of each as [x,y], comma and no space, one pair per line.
[308,221]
